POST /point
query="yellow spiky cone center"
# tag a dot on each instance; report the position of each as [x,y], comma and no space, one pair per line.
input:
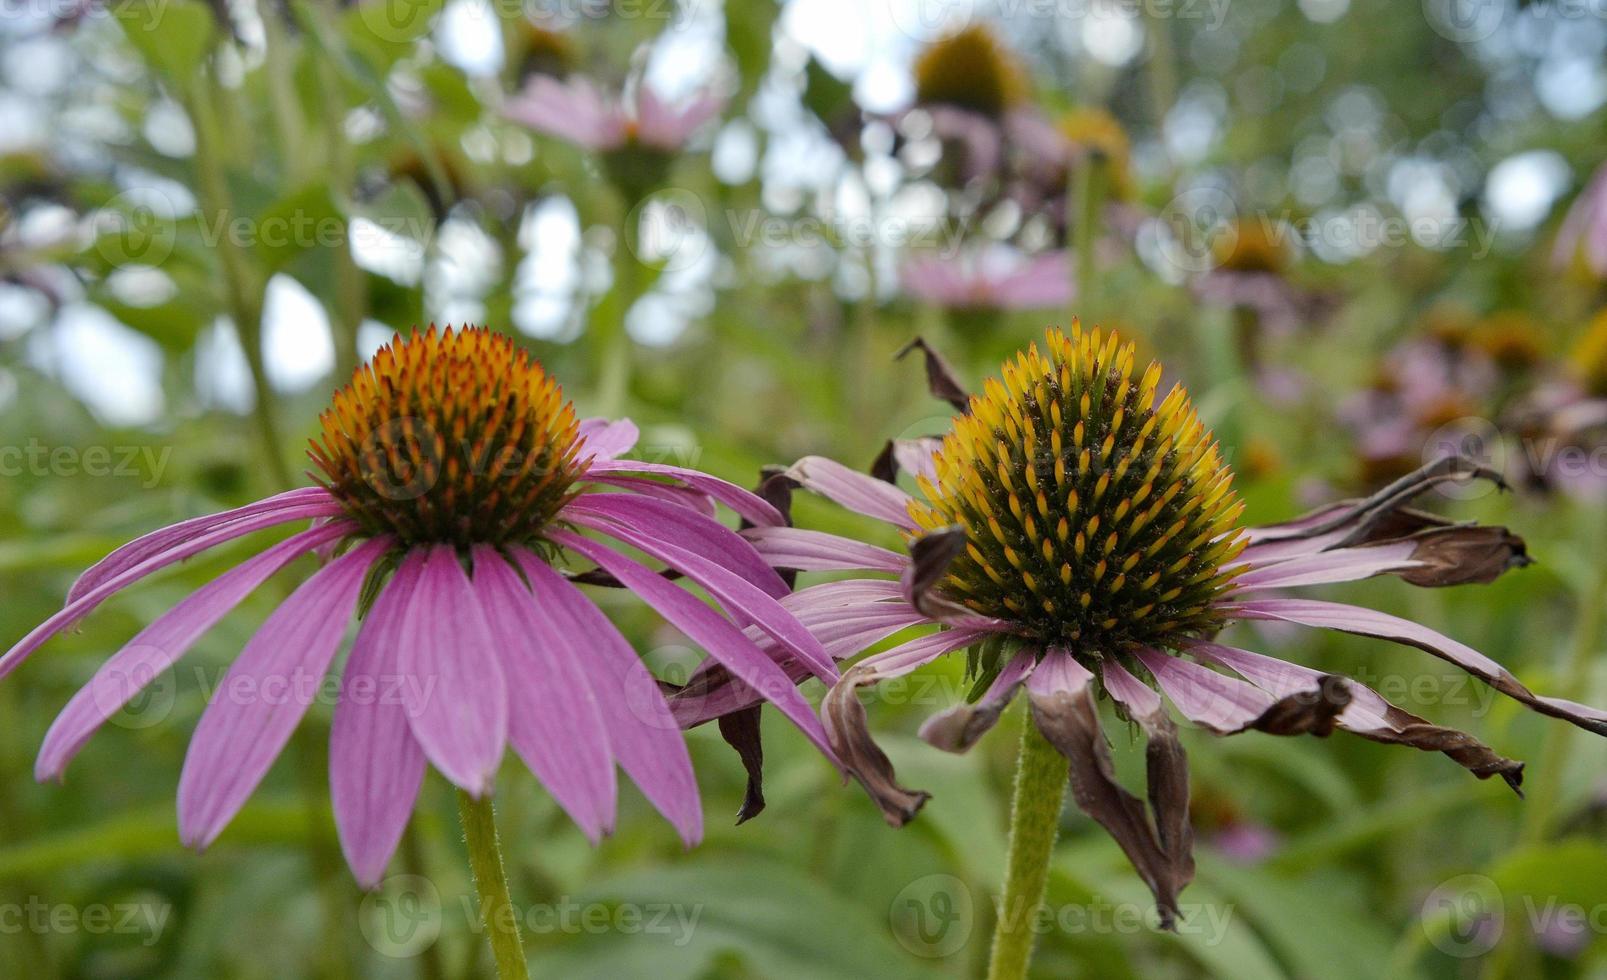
[1096,515]
[457,437]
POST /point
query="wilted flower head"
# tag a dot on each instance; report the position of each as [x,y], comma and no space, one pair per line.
[991,280]
[456,481]
[1078,531]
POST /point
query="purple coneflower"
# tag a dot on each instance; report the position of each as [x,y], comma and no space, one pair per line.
[997,279]
[1078,532]
[455,481]
[576,111]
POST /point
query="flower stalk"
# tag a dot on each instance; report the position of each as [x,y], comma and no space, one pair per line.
[1040,790]
[491,885]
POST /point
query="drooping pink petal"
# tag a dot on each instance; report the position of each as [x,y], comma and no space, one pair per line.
[267,690]
[744,503]
[642,735]
[675,493]
[606,439]
[848,728]
[375,764]
[459,709]
[817,551]
[156,542]
[707,628]
[1330,567]
[162,643]
[1370,622]
[554,721]
[744,602]
[1368,714]
[1212,700]
[959,728]
[859,492]
[1139,698]
[670,522]
[1058,672]
[126,576]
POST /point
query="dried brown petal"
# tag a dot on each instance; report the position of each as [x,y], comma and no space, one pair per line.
[1070,721]
[847,730]
[941,380]
[740,729]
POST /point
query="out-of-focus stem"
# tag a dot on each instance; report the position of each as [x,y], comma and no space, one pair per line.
[243,284]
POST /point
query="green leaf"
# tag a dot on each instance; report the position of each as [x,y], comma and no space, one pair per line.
[300,221]
[172,36]
[765,916]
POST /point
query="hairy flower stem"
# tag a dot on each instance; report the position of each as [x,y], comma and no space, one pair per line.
[491,883]
[1040,790]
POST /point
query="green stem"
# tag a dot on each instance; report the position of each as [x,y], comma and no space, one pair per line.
[491,883]
[1040,790]
[1545,790]
[613,344]
[1088,193]
[243,284]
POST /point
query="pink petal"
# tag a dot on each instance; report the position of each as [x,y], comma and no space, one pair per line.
[375,765]
[265,693]
[554,721]
[816,551]
[642,735]
[162,643]
[859,492]
[740,599]
[605,439]
[1139,698]
[150,545]
[745,503]
[125,576]
[1212,700]
[707,628]
[459,710]
[663,520]
[1058,673]
[1330,567]
[1370,622]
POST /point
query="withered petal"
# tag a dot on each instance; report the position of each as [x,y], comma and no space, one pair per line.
[1069,719]
[1461,554]
[1310,712]
[941,380]
[848,732]
[740,729]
